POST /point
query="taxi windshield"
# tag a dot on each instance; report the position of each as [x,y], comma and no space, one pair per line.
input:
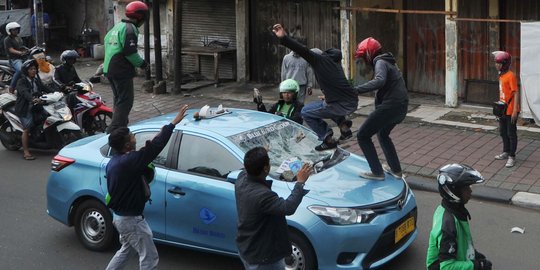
[289,146]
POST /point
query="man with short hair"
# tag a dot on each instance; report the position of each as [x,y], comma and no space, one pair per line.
[127,183]
[262,238]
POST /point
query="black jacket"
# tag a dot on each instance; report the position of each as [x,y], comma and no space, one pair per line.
[388,80]
[66,74]
[262,236]
[329,73]
[293,113]
[125,172]
[25,94]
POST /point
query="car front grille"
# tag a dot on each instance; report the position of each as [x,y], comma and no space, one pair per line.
[385,244]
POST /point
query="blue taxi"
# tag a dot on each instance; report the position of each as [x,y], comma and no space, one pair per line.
[344,222]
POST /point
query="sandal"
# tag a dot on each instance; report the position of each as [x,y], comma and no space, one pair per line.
[29,157]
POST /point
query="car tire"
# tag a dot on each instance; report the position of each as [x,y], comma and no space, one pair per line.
[93,226]
[302,257]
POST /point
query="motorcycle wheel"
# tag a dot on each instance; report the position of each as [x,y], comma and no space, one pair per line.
[100,123]
[69,136]
[5,77]
[10,138]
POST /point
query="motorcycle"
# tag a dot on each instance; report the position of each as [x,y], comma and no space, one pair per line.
[89,110]
[7,71]
[54,132]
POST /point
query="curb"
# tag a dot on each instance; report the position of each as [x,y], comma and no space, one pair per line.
[484,193]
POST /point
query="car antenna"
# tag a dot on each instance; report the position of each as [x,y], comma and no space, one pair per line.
[160,113]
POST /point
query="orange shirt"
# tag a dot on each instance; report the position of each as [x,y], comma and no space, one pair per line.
[507,89]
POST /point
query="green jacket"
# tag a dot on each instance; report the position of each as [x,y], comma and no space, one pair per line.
[121,55]
[450,243]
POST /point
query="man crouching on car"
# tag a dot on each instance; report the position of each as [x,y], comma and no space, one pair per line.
[127,184]
[262,239]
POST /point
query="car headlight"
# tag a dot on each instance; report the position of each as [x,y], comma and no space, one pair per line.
[342,216]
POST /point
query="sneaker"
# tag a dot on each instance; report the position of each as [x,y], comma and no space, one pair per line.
[326,146]
[510,162]
[345,135]
[502,156]
[387,169]
[371,176]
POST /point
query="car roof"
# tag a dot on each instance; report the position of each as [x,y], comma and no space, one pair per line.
[235,122]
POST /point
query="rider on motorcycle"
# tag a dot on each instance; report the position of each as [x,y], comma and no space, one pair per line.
[29,89]
[15,50]
[66,75]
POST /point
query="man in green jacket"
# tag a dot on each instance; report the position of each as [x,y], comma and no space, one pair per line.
[450,242]
[121,59]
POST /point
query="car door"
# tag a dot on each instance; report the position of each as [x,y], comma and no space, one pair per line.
[154,210]
[201,207]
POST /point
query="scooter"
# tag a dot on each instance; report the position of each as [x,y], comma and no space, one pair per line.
[54,132]
[7,71]
[89,110]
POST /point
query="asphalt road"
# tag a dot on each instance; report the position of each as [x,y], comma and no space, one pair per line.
[30,239]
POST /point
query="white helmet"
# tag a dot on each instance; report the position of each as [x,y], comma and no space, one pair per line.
[12,25]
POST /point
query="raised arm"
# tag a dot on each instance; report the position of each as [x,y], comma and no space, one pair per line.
[292,44]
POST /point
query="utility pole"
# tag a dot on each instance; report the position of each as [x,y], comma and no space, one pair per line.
[148,84]
[160,87]
[38,23]
[177,46]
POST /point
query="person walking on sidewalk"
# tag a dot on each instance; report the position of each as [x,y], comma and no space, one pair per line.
[450,241]
[128,191]
[297,68]
[287,106]
[262,238]
[391,104]
[340,99]
[121,59]
[509,94]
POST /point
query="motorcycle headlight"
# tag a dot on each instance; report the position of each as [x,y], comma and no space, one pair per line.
[342,216]
[67,117]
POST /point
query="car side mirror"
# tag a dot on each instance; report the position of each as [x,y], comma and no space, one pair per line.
[233,175]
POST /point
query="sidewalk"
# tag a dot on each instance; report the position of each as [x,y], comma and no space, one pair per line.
[430,137]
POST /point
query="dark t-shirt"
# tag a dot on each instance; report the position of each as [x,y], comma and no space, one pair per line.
[15,43]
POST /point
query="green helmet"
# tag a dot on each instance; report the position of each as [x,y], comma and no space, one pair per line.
[289,85]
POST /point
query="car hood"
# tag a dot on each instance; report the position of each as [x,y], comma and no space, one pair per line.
[341,185]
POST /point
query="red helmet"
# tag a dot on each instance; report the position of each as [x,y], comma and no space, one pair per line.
[504,58]
[137,10]
[368,49]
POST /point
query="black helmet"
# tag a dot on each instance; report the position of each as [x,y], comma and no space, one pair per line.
[454,176]
[36,50]
[27,64]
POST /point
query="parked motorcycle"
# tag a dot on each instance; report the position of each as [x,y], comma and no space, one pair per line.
[54,132]
[89,110]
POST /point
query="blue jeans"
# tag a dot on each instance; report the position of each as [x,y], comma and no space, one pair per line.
[381,122]
[135,237]
[279,265]
[314,113]
[16,64]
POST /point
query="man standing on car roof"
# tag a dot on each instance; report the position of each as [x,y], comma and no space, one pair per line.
[121,59]
[128,175]
[262,238]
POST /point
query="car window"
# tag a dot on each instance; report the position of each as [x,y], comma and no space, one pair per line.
[200,155]
[142,137]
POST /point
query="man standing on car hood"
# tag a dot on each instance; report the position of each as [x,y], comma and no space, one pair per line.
[262,238]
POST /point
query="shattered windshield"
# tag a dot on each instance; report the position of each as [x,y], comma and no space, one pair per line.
[289,146]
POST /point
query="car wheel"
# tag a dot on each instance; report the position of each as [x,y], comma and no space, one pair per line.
[93,226]
[302,256]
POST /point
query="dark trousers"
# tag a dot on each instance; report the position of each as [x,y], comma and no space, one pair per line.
[508,133]
[123,96]
[381,122]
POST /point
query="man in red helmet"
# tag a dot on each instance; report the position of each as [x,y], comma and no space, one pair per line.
[509,94]
[391,103]
[121,59]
